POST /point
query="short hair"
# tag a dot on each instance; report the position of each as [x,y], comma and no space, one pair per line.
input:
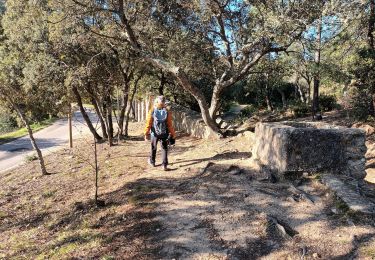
[159,99]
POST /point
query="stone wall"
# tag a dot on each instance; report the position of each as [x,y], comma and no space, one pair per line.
[191,122]
[312,147]
[184,119]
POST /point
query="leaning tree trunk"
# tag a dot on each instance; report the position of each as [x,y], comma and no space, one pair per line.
[184,81]
[100,116]
[84,114]
[315,105]
[96,103]
[32,139]
[301,94]
[130,107]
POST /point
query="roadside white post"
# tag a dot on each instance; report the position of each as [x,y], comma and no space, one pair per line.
[139,112]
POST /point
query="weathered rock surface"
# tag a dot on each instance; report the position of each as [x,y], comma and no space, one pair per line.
[367,128]
[350,195]
[337,152]
[191,122]
[312,147]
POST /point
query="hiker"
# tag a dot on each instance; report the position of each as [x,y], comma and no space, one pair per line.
[159,123]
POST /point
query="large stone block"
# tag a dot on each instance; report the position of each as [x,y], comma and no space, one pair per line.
[310,146]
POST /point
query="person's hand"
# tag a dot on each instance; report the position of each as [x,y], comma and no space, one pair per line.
[147,137]
[171,140]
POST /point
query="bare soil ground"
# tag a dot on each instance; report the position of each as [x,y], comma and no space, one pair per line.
[210,205]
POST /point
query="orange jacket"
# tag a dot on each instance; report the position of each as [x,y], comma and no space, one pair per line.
[150,121]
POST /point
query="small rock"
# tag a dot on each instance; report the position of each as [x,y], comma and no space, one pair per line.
[157,230]
[305,174]
[316,255]
[350,222]
[334,210]
[282,231]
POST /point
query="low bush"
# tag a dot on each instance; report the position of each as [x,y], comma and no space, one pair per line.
[327,103]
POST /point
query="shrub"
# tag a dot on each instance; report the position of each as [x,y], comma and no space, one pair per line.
[327,103]
[356,101]
[7,122]
[300,109]
[31,157]
[248,111]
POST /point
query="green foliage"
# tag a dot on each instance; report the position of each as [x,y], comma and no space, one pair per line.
[16,133]
[328,102]
[300,109]
[8,121]
[31,157]
[248,111]
[359,96]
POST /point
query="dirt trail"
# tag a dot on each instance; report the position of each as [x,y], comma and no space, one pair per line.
[210,205]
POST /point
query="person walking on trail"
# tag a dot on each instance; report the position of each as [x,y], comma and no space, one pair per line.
[159,127]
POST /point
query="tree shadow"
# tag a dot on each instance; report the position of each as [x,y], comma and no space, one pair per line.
[221,156]
[26,223]
[356,242]
[134,222]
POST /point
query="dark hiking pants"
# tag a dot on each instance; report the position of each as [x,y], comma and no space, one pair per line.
[164,149]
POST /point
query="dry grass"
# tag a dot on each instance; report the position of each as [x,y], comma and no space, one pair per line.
[182,213]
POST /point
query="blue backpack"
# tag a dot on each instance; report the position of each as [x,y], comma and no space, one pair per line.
[159,126]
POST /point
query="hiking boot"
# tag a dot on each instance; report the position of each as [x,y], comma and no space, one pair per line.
[151,163]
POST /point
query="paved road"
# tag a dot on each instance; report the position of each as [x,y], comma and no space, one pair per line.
[49,139]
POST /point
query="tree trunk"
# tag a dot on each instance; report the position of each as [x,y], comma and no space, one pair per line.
[371,107]
[162,84]
[315,105]
[308,100]
[315,102]
[95,101]
[84,114]
[268,94]
[215,101]
[301,94]
[283,98]
[130,107]
[123,109]
[193,90]
[370,41]
[109,119]
[32,140]
[268,99]
[100,116]
[371,25]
